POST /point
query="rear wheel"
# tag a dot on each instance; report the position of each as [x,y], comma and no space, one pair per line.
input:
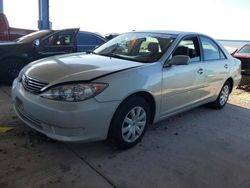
[11,69]
[222,98]
[130,122]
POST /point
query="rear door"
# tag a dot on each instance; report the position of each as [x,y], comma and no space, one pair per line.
[88,41]
[216,65]
[59,42]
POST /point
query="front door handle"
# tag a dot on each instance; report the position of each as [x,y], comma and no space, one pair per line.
[226,66]
[200,71]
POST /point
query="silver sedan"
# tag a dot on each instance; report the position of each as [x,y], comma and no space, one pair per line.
[115,92]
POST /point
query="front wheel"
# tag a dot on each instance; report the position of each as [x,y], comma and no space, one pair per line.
[222,98]
[130,122]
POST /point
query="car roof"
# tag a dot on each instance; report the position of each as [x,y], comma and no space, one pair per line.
[95,34]
[168,32]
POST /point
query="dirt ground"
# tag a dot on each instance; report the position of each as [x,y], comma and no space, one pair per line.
[241,97]
[199,148]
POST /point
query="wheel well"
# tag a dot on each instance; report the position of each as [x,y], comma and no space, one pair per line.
[231,82]
[14,58]
[149,99]
[7,64]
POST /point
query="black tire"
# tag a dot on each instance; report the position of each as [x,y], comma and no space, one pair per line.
[10,69]
[218,104]
[119,124]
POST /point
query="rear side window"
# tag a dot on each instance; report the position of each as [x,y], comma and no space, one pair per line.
[222,55]
[88,39]
[211,50]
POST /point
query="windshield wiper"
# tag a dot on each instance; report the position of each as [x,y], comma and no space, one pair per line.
[111,55]
[90,52]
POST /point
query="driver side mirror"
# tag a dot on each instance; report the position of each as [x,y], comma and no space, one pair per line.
[179,60]
[36,42]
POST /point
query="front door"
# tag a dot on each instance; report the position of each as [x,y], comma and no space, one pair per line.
[60,42]
[183,85]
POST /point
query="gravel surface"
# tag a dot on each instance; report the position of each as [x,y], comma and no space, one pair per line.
[241,97]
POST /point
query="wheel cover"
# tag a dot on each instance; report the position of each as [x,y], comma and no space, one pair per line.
[224,95]
[133,124]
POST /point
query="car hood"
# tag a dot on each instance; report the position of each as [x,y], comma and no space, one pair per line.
[242,55]
[75,67]
[7,43]
[4,45]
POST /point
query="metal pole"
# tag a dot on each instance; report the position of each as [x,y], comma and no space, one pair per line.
[43,22]
[1,6]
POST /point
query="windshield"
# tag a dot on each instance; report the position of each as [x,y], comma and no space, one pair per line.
[32,36]
[245,49]
[141,47]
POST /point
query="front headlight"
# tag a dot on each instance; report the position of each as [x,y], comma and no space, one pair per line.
[74,92]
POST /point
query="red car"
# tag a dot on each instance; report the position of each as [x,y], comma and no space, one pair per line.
[243,54]
[8,33]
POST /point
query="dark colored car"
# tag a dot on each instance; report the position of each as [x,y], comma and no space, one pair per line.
[40,44]
[243,54]
[110,36]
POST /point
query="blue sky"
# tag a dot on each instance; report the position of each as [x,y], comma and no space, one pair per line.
[221,19]
[241,3]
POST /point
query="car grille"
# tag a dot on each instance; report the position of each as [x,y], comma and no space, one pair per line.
[20,111]
[33,85]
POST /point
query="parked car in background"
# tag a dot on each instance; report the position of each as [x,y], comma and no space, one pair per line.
[243,54]
[133,80]
[40,44]
[110,36]
[8,33]
[231,50]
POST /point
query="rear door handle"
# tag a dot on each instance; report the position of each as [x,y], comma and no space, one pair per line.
[226,66]
[200,71]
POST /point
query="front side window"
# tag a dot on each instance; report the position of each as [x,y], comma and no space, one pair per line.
[190,47]
[210,50]
[64,38]
[136,46]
